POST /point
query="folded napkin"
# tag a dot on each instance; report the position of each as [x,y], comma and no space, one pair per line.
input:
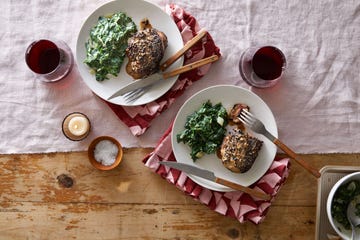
[138,118]
[235,204]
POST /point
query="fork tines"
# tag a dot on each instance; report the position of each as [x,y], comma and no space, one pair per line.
[133,95]
[246,117]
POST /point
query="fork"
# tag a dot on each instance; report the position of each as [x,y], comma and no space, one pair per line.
[135,94]
[257,126]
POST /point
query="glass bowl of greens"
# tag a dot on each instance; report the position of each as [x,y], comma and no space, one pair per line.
[343,191]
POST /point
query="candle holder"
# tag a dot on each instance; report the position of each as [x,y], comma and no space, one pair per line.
[76,126]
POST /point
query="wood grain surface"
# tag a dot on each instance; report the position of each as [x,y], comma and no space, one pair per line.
[61,196]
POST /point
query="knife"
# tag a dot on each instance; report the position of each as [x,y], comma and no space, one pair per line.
[152,79]
[211,176]
[183,50]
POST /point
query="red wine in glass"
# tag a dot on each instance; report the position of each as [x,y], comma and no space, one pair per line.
[51,60]
[262,66]
[43,56]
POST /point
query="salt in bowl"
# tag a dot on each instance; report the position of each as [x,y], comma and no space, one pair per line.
[102,154]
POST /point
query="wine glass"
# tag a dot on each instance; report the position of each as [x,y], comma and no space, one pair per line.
[50,60]
[262,66]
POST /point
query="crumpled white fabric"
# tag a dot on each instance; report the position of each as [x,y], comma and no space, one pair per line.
[316,104]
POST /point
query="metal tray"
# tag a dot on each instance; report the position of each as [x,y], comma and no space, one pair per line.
[329,176]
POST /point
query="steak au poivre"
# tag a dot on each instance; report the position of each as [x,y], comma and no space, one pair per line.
[145,50]
[239,150]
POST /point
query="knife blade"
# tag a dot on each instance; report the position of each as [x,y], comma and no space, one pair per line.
[152,79]
[189,169]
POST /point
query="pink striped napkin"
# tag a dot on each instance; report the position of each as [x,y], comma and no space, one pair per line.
[138,118]
[234,204]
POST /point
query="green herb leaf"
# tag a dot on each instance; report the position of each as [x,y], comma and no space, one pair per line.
[105,50]
[344,194]
[203,133]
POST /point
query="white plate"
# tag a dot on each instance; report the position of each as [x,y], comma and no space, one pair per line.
[228,95]
[137,10]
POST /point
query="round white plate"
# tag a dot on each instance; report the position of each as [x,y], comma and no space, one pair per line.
[228,95]
[137,10]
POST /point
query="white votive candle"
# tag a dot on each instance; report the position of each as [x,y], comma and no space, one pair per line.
[78,125]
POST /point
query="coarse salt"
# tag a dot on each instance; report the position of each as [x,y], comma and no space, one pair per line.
[105,152]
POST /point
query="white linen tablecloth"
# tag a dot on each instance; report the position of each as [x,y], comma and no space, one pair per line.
[316,104]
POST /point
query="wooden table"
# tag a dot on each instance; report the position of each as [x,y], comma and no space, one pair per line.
[61,196]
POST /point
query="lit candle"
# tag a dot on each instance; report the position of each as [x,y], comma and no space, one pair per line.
[78,125]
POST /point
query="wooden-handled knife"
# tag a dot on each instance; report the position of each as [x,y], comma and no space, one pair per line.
[211,176]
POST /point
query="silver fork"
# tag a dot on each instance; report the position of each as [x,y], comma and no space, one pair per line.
[257,126]
[135,94]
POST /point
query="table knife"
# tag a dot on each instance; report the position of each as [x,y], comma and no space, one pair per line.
[183,50]
[211,176]
[152,79]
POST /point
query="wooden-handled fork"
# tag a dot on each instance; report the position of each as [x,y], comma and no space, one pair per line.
[257,126]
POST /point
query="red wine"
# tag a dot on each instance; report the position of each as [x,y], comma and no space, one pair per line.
[268,63]
[42,56]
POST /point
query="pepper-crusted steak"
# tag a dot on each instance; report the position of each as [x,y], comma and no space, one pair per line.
[239,151]
[145,51]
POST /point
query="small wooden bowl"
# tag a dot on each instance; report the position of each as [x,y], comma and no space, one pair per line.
[97,164]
